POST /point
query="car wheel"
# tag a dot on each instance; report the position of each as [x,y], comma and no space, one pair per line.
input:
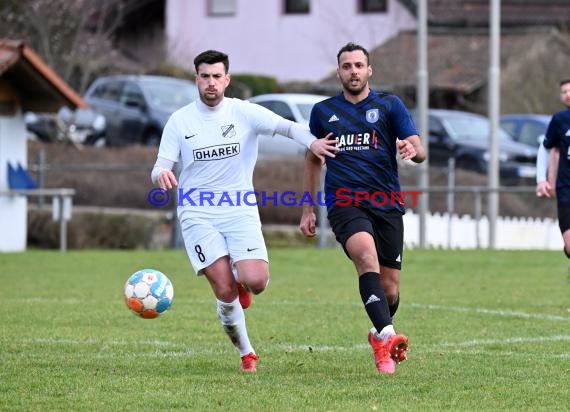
[152,139]
[96,141]
[468,163]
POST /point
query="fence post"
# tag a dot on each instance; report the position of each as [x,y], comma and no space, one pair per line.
[450,197]
[41,159]
[477,217]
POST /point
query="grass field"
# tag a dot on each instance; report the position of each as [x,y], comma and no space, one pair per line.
[489,331]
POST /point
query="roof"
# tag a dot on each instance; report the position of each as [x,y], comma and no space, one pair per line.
[39,87]
[457,60]
[475,13]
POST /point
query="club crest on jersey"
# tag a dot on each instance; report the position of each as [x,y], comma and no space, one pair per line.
[218,152]
[372,115]
[228,130]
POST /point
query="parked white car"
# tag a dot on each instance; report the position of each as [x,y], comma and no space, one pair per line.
[292,106]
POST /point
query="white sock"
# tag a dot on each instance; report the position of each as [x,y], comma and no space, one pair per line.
[387,332]
[232,318]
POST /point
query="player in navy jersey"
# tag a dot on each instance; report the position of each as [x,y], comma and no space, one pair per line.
[557,141]
[365,209]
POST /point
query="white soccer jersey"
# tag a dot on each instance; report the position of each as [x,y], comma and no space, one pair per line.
[218,150]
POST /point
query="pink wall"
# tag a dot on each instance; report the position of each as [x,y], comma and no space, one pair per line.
[260,39]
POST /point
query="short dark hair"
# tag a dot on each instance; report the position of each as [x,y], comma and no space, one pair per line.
[564,81]
[212,57]
[348,47]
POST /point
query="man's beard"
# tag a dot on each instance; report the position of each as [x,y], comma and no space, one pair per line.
[354,91]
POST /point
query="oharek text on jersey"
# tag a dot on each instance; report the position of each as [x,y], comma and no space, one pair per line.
[216,152]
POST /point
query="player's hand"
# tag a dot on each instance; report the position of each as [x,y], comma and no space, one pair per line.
[324,147]
[543,189]
[167,180]
[308,225]
[406,149]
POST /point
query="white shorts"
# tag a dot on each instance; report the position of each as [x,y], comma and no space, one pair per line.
[208,239]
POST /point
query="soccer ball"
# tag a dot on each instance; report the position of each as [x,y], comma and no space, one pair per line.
[149,293]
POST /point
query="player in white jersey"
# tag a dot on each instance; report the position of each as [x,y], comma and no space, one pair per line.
[215,139]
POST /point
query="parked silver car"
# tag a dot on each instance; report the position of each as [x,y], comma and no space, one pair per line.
[136,107]
[292,106]
[526,128]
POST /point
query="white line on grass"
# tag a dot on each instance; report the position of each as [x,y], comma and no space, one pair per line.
[187,351]
[481,311]
[504,313]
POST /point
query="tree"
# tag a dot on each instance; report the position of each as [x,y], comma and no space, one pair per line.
[74,37]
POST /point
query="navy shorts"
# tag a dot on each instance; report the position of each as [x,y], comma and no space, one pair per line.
[387,229]
[563,217]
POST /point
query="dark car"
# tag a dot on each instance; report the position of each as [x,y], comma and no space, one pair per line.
[465,137]
[136,107]
[526,128]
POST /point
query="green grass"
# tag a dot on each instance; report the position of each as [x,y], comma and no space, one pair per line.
[489,331]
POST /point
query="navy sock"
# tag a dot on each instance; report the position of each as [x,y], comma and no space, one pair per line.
[374,300]
[394,307]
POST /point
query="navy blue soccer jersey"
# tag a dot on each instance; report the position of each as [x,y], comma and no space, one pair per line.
[366,163]
[558,135]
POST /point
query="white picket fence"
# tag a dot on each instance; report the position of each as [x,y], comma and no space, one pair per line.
[465,232]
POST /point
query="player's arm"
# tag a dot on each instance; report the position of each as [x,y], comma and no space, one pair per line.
[542,158]
[319,147]
[412,149]
[553,169]
[311,182]
[162,175]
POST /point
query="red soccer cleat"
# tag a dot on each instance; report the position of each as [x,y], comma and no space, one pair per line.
[397,346]
[382,358]
[249,362]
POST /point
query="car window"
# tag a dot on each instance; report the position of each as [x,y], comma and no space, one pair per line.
[509,126]
[110,90]
[282,109]
[472,128]
[305,110]
[530,132]
[132,94]
[435,127]
[170,94]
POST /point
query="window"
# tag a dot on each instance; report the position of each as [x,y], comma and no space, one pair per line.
[221,7]
[297,6]
[373,6]
[282,109]
[132,96]
[531,132]
[109,91]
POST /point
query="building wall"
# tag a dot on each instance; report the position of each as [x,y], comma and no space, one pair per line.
[261,39]
[13,210]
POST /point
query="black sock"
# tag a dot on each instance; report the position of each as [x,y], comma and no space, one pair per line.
[394,307]
[374,300]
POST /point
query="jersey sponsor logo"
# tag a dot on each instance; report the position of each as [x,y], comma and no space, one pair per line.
[216,152]
[353,141]
[189,136]
[228,130]
[251,249]
[333,118]
[372,115]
